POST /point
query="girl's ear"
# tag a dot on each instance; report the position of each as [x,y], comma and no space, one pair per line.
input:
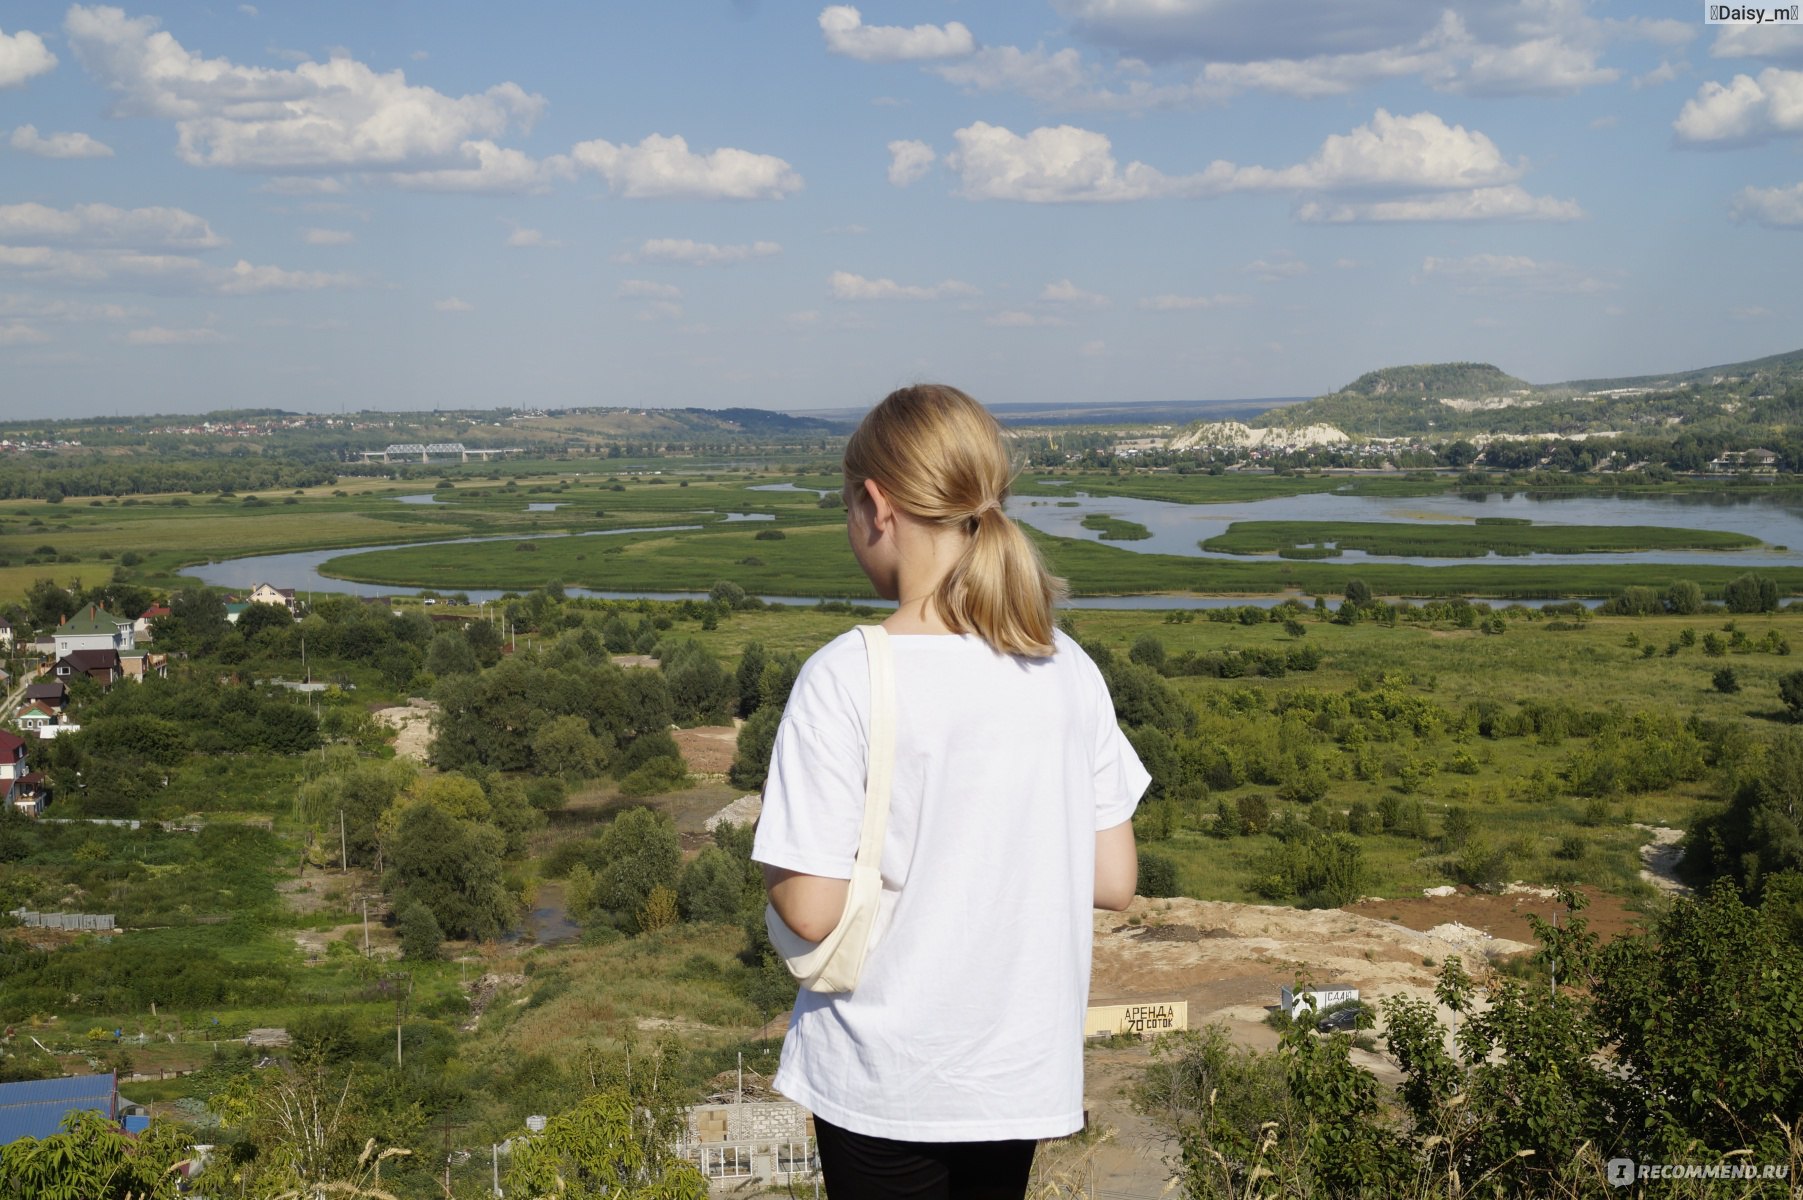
[882,512]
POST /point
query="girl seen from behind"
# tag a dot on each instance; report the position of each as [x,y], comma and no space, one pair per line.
[961,1043]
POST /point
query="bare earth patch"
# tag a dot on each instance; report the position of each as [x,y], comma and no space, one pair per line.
[708,749]
[412,725]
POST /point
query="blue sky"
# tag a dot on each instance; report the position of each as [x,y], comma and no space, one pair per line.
[410,205]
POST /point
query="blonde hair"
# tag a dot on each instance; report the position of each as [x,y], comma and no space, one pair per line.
[941,457]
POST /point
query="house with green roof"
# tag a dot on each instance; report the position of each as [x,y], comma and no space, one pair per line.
[94,628]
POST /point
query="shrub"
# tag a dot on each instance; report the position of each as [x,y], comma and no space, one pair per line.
[1726,681]
[1157,875]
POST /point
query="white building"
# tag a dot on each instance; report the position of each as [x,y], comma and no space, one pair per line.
[94,628]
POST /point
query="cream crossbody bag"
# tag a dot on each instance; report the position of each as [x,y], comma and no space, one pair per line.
[832,964]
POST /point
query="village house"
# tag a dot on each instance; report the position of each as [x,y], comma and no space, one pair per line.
[51,693]
[141,626]
[94,629]
[265,593]
[13,770]
[6,634]
[34,716]
[102,666]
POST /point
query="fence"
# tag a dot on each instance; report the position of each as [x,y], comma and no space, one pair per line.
[88,921]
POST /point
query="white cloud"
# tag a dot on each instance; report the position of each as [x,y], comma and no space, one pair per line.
[523,238]
[846,286]
[1776,208]
[316,117]
[244,279]
[1662,74]
[665,167]
[328,237]
[25,140]
[1393,154]
[1482,204]
[104,225]
[1016,319]
[491,168]
[909,160]
[42,308]
[249,10]
[156,335]
[452,304]
[1751,312]
[645,289]
[1169,302]
[18,333]
[1493,274]
[1275,272]
[660,310]
[1745,111]
[1774,43]
[847,34]
[701,254]
[1066,292]
[303,185]
[23,55]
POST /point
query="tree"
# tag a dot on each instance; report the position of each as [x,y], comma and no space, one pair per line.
[1684,598]
[757,739]
[419,932]
[750,677]
[1157,875]
[93,1159]
[1790,690]
[256,618]
[565,747]
[48,603]
[1148,651]
[1726,681]
[450,654]
[602,1147]
[636,854]
[1750,593]
[453,867]
[1358,593]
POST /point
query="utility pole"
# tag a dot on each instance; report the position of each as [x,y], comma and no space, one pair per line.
[344,854]
[366,927]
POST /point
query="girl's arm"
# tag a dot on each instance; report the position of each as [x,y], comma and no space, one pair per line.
[1117,867]
[811,905]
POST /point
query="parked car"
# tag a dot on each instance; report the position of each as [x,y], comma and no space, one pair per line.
[1343,1019]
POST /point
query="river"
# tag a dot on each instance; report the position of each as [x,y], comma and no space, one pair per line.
[1177,529]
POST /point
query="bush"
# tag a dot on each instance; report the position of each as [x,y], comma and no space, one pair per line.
[1726,681]
[655,777]
[1157,875]
[770,535]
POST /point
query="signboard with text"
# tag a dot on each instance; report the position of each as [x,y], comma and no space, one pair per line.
[1157,1017]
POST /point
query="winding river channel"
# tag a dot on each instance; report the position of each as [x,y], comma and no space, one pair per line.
[1178,528]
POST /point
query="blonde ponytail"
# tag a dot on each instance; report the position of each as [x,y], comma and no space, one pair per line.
[941,457]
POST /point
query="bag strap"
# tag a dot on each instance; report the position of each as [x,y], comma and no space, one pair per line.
[881,768]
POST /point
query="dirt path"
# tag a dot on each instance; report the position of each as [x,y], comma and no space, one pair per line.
[412,725]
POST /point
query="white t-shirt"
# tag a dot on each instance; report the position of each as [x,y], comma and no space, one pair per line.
[966,1024]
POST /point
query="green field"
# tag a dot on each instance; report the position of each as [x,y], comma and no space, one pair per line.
[1114,529]
[1400,539]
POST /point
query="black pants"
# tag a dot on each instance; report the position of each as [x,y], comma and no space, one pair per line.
[860,1167]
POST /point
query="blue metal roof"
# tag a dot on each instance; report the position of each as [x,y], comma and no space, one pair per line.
[36,1107]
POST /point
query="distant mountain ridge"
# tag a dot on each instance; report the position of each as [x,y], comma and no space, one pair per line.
[1464,398]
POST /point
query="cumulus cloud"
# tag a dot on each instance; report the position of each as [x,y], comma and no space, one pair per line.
[1745,111]
[908,161]
[701,254]
[18,333]
[156,335]
[1776,208]
[244,279]
[303,185]
[1016,319]
[523,238]
[491,168]
[1275,271]
[645,289]
[1660,75]
[451,304]
[174,274]
[1493,274]
[1398,155]
[1169,302]
[846,286]
[1773,43]
[314,117]
[845,32]
[1066,292]
[42,308]
[1509,203]
[105,225]
[328,237]
[26,140]
[665,167]
[23,56]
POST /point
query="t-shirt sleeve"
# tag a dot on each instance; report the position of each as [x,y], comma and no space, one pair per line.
[814,793]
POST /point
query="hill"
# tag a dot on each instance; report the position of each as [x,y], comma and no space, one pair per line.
[1465,398]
